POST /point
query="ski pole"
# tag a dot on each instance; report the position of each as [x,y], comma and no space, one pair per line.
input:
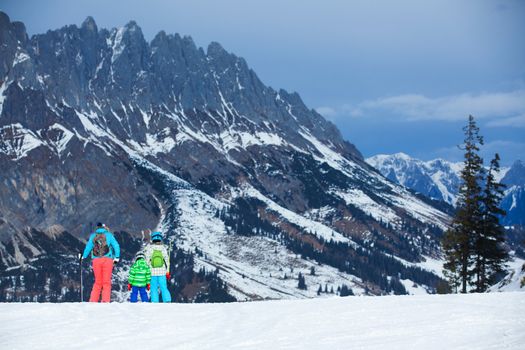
[81,279]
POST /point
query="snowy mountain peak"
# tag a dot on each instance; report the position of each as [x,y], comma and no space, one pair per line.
[390,157]
[440,179]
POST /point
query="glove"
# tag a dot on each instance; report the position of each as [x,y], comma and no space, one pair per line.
[147,286]
[116,260]
[129,286]
[168,275]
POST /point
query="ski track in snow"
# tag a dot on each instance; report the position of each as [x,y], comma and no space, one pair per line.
[431,322]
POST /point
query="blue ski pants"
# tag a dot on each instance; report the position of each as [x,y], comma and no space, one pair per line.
[134,297]
[159,282]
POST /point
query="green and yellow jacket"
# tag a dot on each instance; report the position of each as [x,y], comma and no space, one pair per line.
[139,274]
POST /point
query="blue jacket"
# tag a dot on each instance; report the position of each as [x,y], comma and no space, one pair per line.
[114,248]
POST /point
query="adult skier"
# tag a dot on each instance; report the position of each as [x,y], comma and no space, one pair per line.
[159,260]
[105,252]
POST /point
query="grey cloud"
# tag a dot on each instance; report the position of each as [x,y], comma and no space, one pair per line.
[498,108]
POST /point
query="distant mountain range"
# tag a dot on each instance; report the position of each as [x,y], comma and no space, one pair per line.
[439,179]
[250,185]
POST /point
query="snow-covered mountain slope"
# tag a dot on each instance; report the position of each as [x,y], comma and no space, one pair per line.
[473,321]
[439,179]
[100,125]
[515,279]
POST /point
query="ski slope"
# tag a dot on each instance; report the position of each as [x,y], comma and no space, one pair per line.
[474,321]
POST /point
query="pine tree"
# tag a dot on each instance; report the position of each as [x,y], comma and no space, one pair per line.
[458,241]
[490,255]
[452,266]
[345,291]
[302,282]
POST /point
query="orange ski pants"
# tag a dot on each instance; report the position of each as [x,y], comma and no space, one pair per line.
[102,268]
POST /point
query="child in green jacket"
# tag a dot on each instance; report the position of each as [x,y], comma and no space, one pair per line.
[139,279]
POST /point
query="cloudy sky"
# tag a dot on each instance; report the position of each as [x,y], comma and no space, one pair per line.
[394,76]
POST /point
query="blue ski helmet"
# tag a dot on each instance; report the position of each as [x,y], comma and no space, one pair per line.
[156,236]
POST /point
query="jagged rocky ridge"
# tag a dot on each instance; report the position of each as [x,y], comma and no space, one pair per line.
[99,125]
[437,179]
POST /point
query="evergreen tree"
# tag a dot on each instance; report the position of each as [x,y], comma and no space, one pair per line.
[490,255]
[458,241]
[345,291]
[302,282]
[452,266]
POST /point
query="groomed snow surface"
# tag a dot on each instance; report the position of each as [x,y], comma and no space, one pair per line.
[472,321]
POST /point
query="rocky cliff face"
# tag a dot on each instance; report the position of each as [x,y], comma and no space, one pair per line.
[99,125]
